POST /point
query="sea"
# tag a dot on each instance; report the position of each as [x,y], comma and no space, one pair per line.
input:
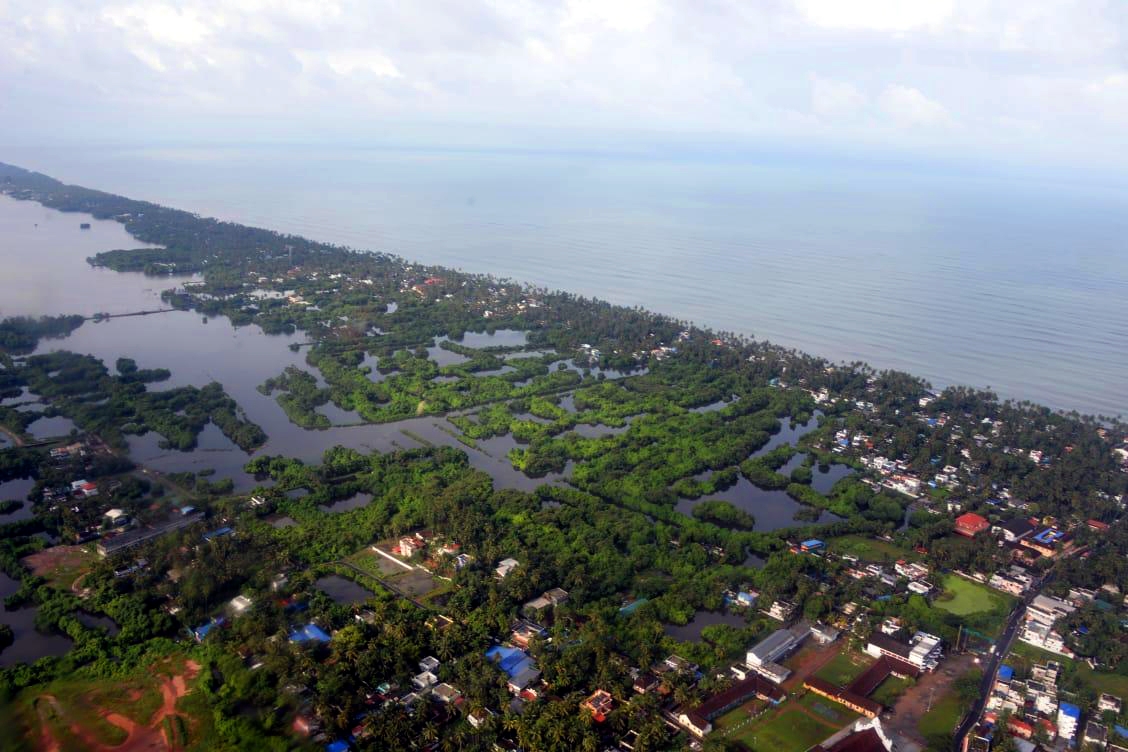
[1010,283]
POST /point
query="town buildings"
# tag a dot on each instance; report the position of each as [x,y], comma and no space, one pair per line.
[923,651]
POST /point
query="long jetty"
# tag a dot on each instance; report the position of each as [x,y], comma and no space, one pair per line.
[104,316]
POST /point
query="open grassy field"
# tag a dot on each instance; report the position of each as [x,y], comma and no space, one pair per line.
[888,691]
[844,667]
[869,549]
[942,719]
[827,710]
[963,597]
[789,729]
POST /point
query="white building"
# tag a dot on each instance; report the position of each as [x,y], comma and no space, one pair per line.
[240,603]
[781,610]
[776,645]
[1047,609]
[912,570]
[505,567]
[1110,703]
[1068,719]
[923,651]
[1043,636]
[1015,581]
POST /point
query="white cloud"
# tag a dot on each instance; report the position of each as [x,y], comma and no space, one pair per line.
[908,107]
[619,15]
[877,15]
[160,23]
[888,71]
[352,62]
[830,98]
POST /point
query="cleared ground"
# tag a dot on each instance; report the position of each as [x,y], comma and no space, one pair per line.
[150,710]
[62,566]
[930,704]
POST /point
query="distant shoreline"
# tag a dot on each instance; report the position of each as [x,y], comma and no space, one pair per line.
[945,383]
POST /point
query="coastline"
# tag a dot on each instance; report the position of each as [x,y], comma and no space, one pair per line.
[733,339]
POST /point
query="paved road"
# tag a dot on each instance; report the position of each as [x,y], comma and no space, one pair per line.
[1002,647]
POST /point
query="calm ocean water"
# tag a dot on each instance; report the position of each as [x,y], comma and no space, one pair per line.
[1008,284]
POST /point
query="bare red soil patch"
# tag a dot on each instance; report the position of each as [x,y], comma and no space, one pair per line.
[139,737]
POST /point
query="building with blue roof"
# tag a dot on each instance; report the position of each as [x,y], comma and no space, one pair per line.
[1006,673]
[309,633]
[510,660]
[630,608]
[1049,535]
[1068,719]
[202,631]
[813,544]
[517,665]
[218,533]
[338,746]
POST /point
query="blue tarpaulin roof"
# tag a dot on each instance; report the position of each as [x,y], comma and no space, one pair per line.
[1048,535]
[630,608]
[217,533]
[1006,672]
[510,660]
[310,632]
[201,632]
[338,746]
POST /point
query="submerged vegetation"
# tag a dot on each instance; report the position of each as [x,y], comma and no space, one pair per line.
[81,388]
[633,415]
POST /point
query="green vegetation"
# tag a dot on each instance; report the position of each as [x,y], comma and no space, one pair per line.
[81,388]
[941,720]
[300,397]
[827,710]
[844,667]
[870,549]
[724,514]
[786,730]
[963,597]
[614,394]
[889,690]
[21,334]
[1078,677]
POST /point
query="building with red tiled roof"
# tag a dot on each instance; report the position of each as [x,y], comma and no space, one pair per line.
[971,524]
[599,705]
[857,703]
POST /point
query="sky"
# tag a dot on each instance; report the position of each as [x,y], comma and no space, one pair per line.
[1035,82]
